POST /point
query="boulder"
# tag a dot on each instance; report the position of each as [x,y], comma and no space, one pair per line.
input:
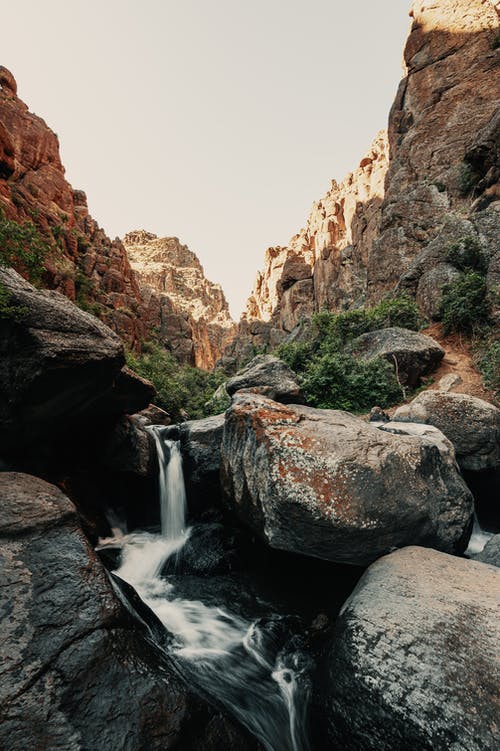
[128,447]
[327,484]
[411,663]
[491,552]
[471,424]
[412,354]
[268,375]
[153,415]
[57,363]
[200,442]
[78,668]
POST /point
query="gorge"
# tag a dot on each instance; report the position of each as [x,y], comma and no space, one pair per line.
[279,534]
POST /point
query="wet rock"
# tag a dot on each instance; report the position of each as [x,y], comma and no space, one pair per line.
[491,552]
[471,424]
[326,484]
[412,657]
[210,549]
[129,448]
[412,354]
[79,669]
[270,376]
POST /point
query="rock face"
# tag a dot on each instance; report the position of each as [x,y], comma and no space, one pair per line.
[83,264]
[93,681]
[326,484]
[427,185]
[190,313]
[413,655]
[413,355]
[471,424]
[269,376]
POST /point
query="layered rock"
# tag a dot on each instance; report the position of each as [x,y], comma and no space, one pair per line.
[430,183]
[413,660]
[79,670]
[189,312]
[326,484]
[83,263]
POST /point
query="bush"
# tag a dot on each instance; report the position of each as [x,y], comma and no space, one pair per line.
[180,388]
[464,307]
[488,362]
[467,255]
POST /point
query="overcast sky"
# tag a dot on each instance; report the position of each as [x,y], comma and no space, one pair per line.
[217,121]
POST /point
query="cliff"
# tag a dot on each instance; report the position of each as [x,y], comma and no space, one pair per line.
[189,313]
[430,182]
[83,263]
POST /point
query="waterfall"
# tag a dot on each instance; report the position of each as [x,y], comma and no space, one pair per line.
[241,663]
[172,488]
[478,538]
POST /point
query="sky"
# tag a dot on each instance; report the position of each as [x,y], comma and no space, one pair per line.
[215,121]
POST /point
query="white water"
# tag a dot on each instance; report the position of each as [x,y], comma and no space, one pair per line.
[237,661]
[478,538]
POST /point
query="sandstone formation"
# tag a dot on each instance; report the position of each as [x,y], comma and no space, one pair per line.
[430,183]
[326,484]
[81,671]
[471,424]
[190,313]
[412,354]
[413,662]
[83,263]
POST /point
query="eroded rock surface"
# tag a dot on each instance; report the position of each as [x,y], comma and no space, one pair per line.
[269,376]
[327,484]
[414,657]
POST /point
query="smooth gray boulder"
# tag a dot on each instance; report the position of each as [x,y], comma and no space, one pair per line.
[78,670]
[327,484]
[413,661]
[270,376]
[412,354]
[471,424]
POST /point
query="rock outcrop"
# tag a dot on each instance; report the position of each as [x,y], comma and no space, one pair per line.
[79,670]
[412,660]
[471,424]
[326,484]
[83,263]
[269,376]
[189,312]
[428,184]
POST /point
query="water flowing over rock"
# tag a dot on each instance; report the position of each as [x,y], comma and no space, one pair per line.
[471,424]
[412,658]
[190,313]
[327,484]
[80,670]
[412,354]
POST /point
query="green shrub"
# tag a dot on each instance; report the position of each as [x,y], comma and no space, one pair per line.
[179,387]
[488,362]
[339,381]
[464,307]
[467,255]
[467,179]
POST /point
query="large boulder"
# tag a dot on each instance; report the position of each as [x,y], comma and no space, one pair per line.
[471,424]
[412,660]
[327,484]
[78,669]
[412,354]
[270,376]
[59,366]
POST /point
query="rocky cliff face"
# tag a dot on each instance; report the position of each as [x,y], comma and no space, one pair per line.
[189,313]
[432,181]
[83,262]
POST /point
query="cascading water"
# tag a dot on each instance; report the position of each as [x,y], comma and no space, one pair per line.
[242,663]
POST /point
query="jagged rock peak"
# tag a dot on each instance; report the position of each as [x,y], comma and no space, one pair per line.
[190,311]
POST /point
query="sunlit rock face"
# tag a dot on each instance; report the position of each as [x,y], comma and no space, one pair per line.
[428,183]
[189,312]
[84,264]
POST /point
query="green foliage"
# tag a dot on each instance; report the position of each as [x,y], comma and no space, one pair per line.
[333,379]
[465,307]
[179,387]
[22,246]
[467,255]
[7,310]
[488,362]
[467,179]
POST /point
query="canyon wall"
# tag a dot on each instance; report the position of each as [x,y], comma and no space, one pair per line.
[189,313]
[432,180]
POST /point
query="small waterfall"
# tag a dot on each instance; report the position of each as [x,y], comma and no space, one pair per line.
[478,538]
[241,663]
[172,488]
